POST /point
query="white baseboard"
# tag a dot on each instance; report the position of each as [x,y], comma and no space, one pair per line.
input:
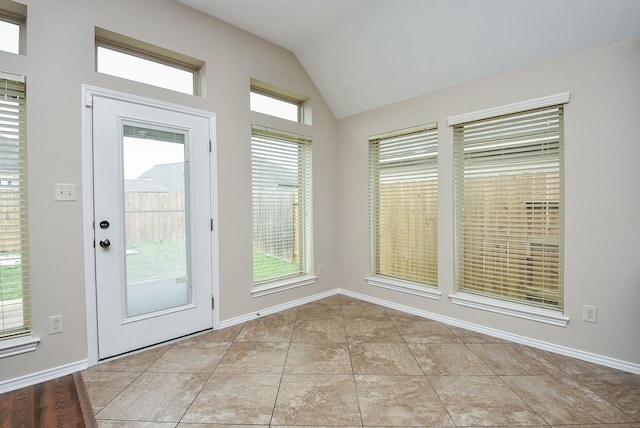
[43,376]
[272,310]
[557,349]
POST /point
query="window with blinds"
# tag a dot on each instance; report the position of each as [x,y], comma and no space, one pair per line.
[281,192]
[509,201]
[15,305]
[403,176]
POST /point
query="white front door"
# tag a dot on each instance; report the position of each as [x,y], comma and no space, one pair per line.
[153,228]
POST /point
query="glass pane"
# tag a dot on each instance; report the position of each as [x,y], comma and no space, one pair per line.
[142,70]
[156,221]
[274,107]
[9,37]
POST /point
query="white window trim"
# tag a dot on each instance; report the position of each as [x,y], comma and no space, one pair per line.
[547,101]
[531,313]
[404,286]
[18,345]
[283,284]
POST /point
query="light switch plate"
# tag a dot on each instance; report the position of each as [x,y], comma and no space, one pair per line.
[65,192]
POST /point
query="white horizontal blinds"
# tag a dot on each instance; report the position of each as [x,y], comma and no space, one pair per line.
[509,207]
[281,192]
[15,301]
[404,205]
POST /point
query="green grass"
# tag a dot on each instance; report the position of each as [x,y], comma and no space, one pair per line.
[156,259]
[10,282]
[153,260]
[265,267]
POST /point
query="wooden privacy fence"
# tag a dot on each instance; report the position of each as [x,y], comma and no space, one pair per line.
[158,216]
[155,216]
[527,255]
[519,237]
[276,225]
[408,231]
[518,256]
[149,216]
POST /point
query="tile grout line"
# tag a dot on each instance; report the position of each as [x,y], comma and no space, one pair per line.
[284,365]
[138,376]
[195,397]
[423,371]
[353,372]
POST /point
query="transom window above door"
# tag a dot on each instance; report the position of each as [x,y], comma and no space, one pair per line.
[131,59]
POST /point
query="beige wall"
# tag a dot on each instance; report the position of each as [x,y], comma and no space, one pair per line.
[59,59]
[602,203]
[602,220]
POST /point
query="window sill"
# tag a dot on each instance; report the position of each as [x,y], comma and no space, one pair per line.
[509,308]
[283,284]
[404,286]
[19,345]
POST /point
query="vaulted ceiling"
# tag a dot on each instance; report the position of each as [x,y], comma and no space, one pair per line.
[363,54]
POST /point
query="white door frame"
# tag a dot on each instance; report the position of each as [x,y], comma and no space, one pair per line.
[88,92]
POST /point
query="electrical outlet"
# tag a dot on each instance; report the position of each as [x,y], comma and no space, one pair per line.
[55,324]
[589,313]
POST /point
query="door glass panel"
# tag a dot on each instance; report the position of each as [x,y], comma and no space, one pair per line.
[155,220]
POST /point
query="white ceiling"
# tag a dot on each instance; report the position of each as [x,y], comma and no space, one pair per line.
[363,54]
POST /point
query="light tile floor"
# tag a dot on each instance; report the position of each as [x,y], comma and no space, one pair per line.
[348,363]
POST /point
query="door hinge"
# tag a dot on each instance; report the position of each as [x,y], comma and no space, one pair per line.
[213,302]
[209,146]
[211,224]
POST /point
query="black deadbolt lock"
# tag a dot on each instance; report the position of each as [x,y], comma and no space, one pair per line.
[104,224]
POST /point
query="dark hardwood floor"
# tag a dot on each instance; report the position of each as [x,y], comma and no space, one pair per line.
[62,403]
